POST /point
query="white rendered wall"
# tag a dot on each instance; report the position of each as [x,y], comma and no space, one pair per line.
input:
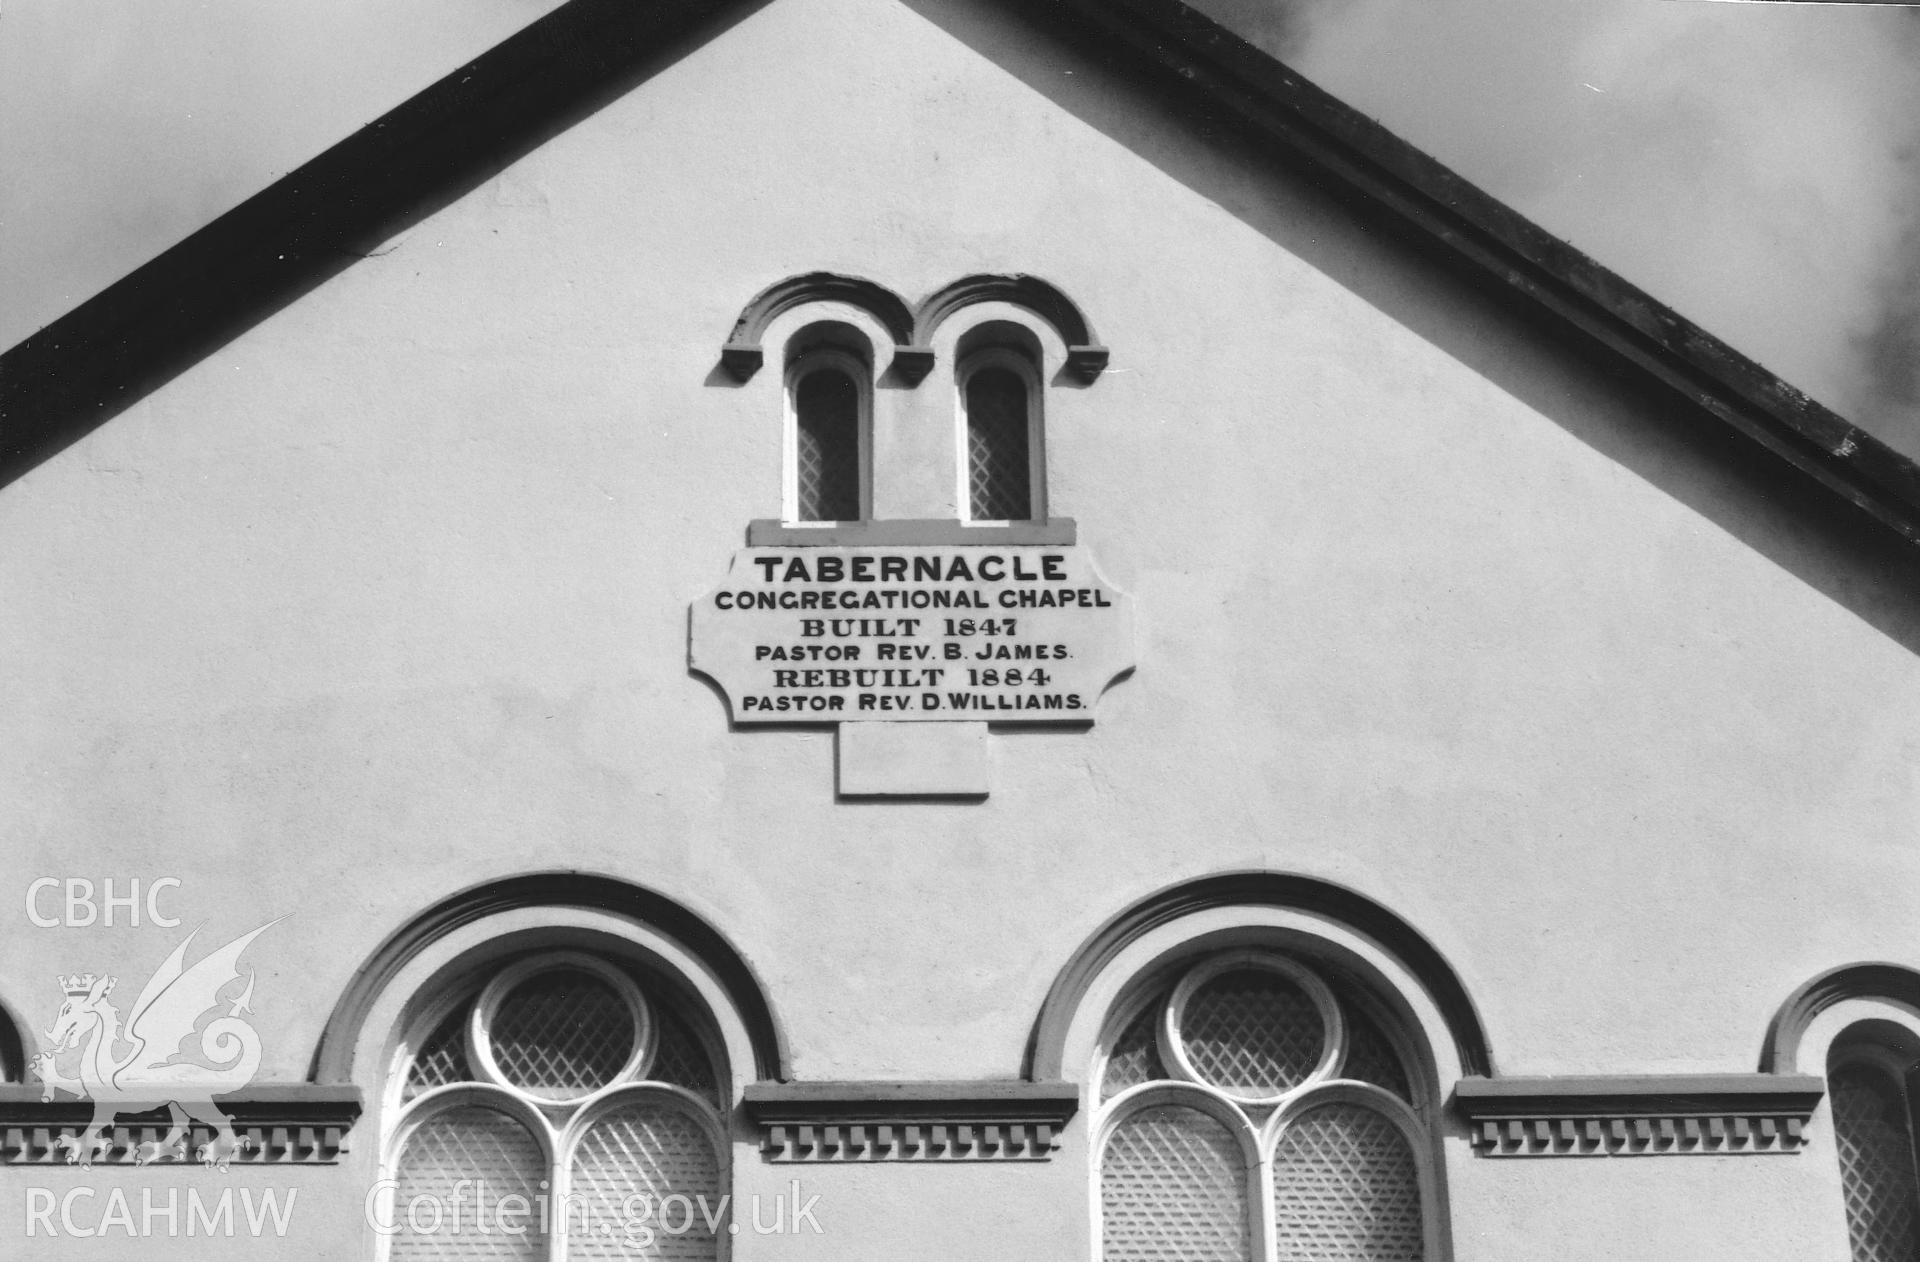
[388,597]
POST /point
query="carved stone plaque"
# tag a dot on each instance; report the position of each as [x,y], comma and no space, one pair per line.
[842,634]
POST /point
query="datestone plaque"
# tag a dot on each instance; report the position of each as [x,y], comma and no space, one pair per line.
[1015,634]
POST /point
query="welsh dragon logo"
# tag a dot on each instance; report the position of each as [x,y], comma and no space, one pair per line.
[154,1071]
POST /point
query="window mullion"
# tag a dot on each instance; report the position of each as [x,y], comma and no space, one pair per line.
[559,1184]
[1266,1236]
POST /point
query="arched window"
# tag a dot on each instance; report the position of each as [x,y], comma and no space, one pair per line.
[1254,1108]
[1870,1083]
[828,427]
[1002,466]
[557,1105]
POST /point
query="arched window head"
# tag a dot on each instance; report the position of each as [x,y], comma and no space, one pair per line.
[1002,459]
[1871,1078]
[1254,1108]
[552,1106]
[829,426]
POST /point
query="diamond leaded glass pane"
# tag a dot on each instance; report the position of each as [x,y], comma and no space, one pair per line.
[562,1033]
[1345,1189]
[826,409]
[1135,1057]
[442,1058]
[1370,1056]
[1871,1129]
[997,457]
[1252,1032]
[643,1155]
[1173,1188]
[680,1059]
[502,1159]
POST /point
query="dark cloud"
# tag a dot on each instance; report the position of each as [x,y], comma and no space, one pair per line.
[1890,349]
[127,124]
[1752,165]
[1281,27]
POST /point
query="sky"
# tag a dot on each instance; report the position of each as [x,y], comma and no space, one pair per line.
[1754,165]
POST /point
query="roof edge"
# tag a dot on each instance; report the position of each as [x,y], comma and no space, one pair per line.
[86,367]
[1363,160]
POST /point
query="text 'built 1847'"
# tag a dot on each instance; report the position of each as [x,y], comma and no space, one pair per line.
[1012,634]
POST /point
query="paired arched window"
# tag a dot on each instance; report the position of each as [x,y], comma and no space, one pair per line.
[561,1105]
[828,442]
[1254,1108]
[1870,1082]
[829,436]
[992,327]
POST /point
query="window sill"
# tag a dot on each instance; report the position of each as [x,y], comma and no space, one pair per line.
[285,1123]
[909,1121]
[1635,1115]
[925,532]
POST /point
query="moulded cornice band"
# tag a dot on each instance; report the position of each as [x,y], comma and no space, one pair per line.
[1637,1116]
[742,355]
[910,1121]
[1086,358]
[1780,1052]
[285,1124]
[1046,1045]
